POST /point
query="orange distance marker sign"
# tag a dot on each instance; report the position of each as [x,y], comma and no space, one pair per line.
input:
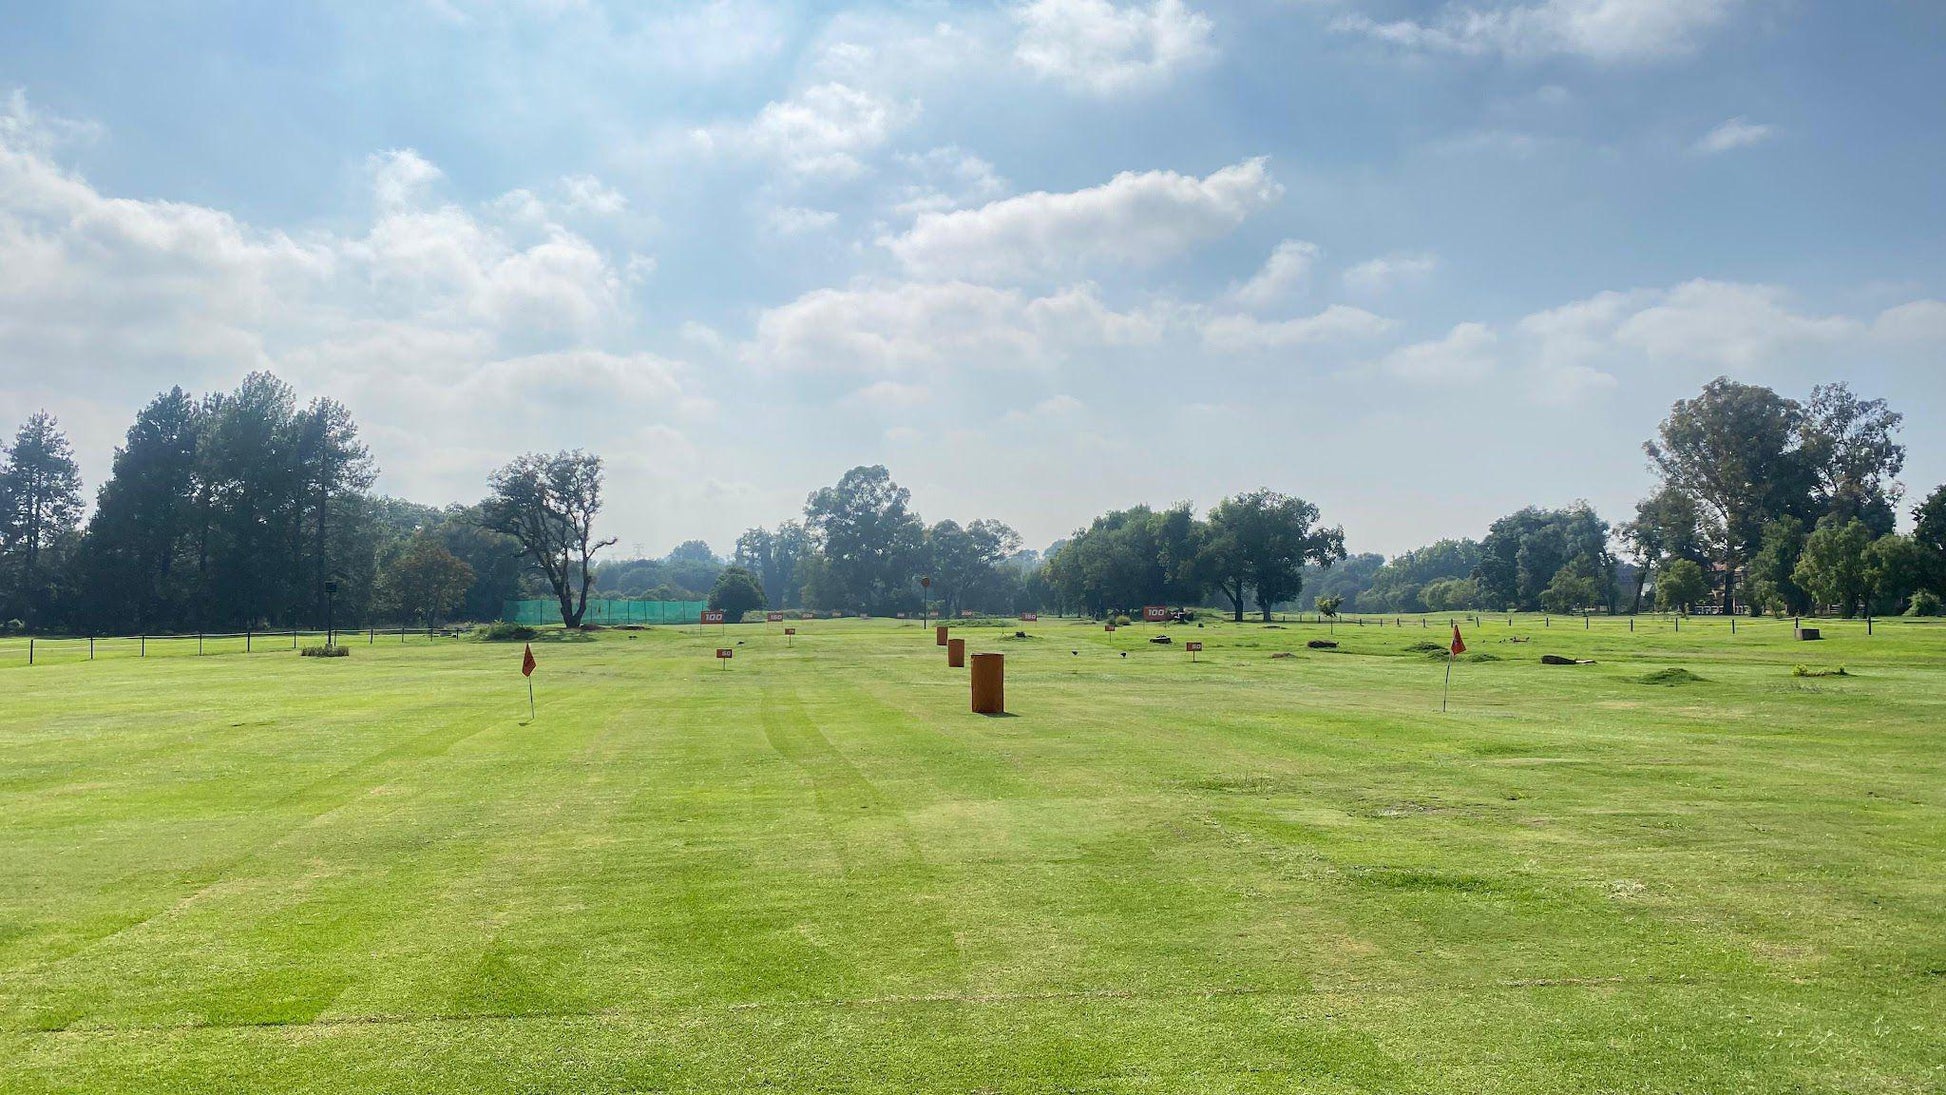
[1030,617]
[774,617]
[712,615]
[724,654]
[1155,614]
[1194,649]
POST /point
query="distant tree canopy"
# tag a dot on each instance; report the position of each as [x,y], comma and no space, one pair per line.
[233,509]
[1252,550]
[773,556]
[1525,553]
[1406,583]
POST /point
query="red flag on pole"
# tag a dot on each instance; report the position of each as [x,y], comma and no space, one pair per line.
[527,662]
[1459,645]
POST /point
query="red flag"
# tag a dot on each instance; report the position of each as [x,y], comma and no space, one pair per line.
[1459,645]
[527,662]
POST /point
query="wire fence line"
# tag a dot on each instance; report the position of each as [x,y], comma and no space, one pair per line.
[25,650]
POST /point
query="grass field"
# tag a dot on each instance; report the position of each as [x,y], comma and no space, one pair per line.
[814,870]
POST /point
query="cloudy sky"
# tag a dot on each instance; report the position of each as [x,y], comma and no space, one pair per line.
[1422,263]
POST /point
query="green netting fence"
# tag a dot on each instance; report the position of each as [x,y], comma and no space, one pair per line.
[607,611]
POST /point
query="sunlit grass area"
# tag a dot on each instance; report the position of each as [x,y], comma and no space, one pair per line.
[1274,868]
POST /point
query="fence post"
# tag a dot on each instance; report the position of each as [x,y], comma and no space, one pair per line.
[91,643]
[145,646]
[1868,624]
[371,636]
[199,644]
[293,638]
[30,650]
[246,639]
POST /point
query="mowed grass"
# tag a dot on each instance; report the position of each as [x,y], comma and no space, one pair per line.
[815,870]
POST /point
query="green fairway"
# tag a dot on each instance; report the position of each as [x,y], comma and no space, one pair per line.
[814,870]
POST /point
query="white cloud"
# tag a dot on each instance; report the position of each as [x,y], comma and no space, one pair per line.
[588,195]
[1286,272]
[1564,354]
[1729,325]
[1734,134]
[1379,274]
[891,395]
[1466,353]
[1100,48]
[400,177]
[1611,31]
[946,178]
[1052,408]
[922,326]
[1132,219]
[1338,323]
[436,322]
[792,220]
[823,130]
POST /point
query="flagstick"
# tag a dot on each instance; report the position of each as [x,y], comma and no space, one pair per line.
[530,699]
[1450,659]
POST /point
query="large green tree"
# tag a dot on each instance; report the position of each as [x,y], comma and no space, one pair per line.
[1732,450]
[871,540]
[773,556]
[1259,542]
[1832,569]
[1128,558]
[964,564]
[1664,529]
[1929,534]
[1846,445]
[1401,584]
[423,581]
[1524,552]
[144,521]
[1772,581]
[40,508]
[736,592]
[548,503]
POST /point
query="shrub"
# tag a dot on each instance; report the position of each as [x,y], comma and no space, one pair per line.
[1924,603]
[326,652]
[1121,621]
[502,632]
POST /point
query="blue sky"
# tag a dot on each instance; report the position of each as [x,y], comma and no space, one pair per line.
[1422,263]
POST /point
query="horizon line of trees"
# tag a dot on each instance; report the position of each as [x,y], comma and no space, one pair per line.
[234,509]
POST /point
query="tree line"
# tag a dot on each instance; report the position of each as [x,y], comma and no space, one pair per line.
[243,509]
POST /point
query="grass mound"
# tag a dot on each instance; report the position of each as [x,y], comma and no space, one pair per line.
[1818,671]
[326,652]
[1672,676]
[1428,648]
